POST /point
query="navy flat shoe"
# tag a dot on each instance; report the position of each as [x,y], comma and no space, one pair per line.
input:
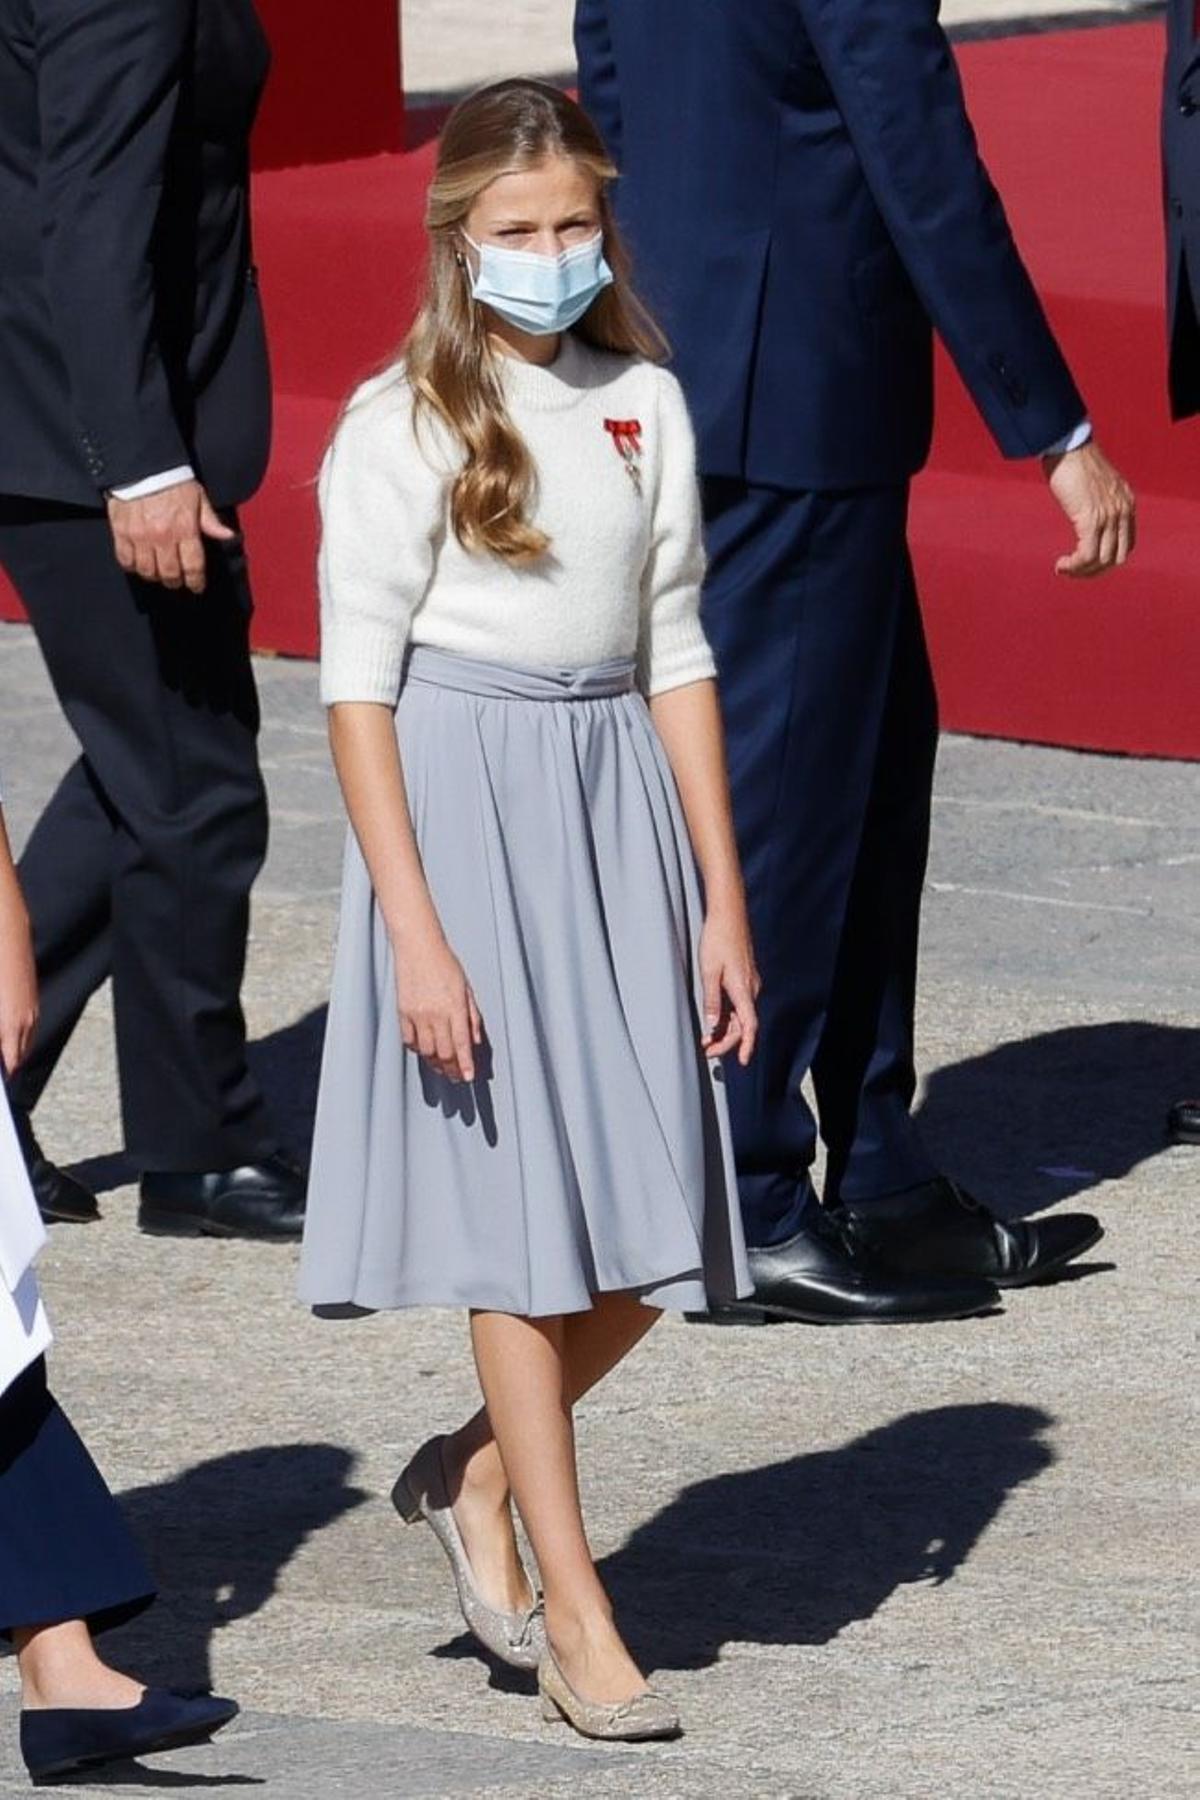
[59,1743]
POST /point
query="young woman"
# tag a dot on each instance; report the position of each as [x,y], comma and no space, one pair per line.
[68,1565]
[520,1108]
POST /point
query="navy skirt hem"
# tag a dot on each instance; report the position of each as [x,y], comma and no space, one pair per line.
[65,1549]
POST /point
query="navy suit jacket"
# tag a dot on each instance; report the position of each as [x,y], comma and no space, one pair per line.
[802,190]
[1181,166]
[131,337]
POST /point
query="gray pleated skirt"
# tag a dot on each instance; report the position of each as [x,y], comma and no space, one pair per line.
[592,1153]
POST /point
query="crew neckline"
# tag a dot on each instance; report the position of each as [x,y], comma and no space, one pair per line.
[549,387]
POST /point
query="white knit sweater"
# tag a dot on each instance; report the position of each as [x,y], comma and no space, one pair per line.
[621,577]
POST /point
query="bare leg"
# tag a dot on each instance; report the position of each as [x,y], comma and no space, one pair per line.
[522,1370]
[593,1343]
[60,1668]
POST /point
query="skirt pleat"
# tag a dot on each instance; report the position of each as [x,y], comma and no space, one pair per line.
[591,1154]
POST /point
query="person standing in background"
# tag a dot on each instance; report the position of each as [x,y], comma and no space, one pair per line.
[801,181]
[1181,191]
[134,416]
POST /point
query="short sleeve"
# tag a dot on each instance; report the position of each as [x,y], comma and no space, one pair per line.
[673,649]
[383,504]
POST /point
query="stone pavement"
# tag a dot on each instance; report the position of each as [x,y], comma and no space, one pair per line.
[872,1565]
[454,45]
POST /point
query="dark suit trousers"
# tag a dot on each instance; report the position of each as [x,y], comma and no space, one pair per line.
[141,866]
[831,717]
[65,1549]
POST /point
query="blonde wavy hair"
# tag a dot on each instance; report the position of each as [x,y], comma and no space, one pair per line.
[508,127]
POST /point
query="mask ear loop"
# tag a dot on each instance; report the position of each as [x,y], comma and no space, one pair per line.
[476,308]
[464,261]
[468,275]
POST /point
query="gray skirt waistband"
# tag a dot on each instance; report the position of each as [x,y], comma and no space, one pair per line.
[505,681]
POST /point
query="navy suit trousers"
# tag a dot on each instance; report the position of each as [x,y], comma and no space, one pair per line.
[142,863]
[831,717]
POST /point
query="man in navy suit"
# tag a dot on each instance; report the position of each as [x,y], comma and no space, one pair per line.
[1181,190]
[801,186]
[135,415]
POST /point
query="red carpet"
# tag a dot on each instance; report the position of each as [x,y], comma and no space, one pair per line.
[330,96]
[1019,652]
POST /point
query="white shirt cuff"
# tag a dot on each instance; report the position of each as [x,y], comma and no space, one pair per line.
[1074,440]
[154,484]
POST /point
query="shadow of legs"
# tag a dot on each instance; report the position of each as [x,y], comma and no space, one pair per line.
[287,1064]
[793,1552]
[218,1537]
[1087,1102]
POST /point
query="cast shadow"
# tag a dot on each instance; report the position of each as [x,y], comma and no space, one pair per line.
[795,1551]
[1036,1120]
[502,1677]
[136,1774]
[287,1064]
[105,1173]
[1024,1125]
[218,1537]
[472,1102]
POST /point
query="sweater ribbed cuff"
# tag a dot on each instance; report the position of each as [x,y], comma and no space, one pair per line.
[361,662]
[679,653]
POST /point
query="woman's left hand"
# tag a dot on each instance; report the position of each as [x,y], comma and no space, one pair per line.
[730,982]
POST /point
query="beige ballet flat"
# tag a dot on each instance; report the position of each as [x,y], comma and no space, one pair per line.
[647,1715]
[420,1493]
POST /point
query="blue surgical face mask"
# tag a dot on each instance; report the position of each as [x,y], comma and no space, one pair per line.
[540,294]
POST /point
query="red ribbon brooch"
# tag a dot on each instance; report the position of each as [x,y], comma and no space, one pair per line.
[626,435]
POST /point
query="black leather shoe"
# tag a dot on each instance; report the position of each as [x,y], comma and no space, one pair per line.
[815,1278]
[1183,1122]
[60,1198]
[938,1229]
[59,1743]
[260,1200]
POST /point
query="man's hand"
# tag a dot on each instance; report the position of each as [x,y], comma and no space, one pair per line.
[1100,505]
[161,538]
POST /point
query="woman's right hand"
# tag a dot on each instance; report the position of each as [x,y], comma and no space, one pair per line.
[438,1015]
[18,984]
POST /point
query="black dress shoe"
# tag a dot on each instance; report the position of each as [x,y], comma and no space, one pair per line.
[815,1278]
[1183,1122]
[58,1744]
[938,1229]
[60,1198]
[260,1200]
